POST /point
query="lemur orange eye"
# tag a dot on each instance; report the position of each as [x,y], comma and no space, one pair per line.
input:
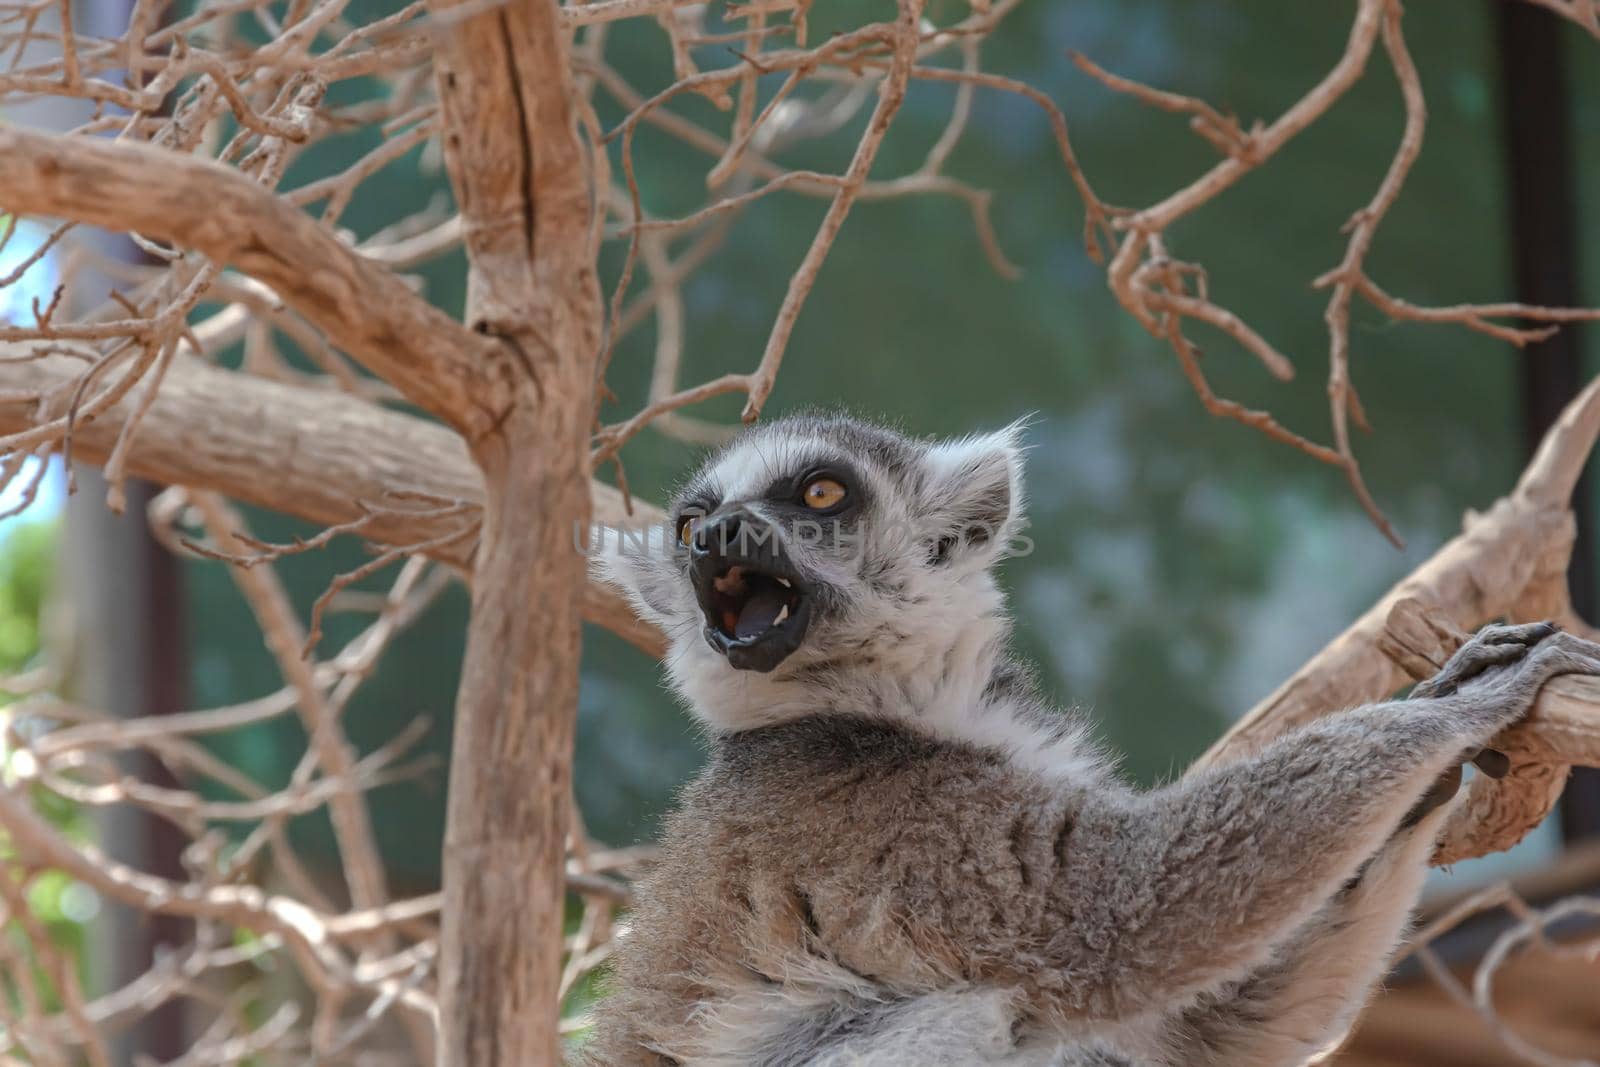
[687,527]
[823,494]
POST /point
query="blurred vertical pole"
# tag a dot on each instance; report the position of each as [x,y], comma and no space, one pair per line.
[1537,115]
[124,605]
[124,595]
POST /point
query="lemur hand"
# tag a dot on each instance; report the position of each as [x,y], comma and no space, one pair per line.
[1490,647]
[1505,666]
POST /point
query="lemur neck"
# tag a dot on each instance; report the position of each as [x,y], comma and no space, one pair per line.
[954,683]
[932,675]
[917,669]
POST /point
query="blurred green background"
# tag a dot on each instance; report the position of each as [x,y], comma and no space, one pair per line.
[1184,565]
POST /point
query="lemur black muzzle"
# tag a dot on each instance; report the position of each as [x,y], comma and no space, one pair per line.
[756,604]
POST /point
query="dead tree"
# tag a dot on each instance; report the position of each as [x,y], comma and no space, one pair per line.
[182,130]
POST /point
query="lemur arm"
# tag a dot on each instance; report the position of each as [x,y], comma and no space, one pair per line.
[1177,892]
[1306,999]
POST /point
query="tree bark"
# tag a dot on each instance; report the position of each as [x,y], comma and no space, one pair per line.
[519,171]
[312,453]
[234,221]
[518,384]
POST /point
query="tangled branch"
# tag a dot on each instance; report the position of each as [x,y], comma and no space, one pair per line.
[1529,925]
[358,962]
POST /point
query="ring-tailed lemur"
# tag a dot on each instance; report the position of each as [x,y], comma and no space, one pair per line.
[899,855]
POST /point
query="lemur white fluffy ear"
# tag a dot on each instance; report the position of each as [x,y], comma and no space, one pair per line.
[973,496]
[637,562]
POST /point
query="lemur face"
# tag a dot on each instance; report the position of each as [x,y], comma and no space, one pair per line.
[812,539]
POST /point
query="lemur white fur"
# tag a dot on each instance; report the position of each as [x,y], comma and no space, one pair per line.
[900,854]
[950,703]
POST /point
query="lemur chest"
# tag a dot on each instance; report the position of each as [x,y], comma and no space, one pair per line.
[834,863]
[751,920]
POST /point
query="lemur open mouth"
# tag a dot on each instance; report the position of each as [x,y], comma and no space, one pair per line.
[756,614]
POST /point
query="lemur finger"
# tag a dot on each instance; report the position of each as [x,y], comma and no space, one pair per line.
[1572,643]
[1492,762]
[1528,633]
[1485,656]
[1470,664]
[1504,695]
[1490,647]
[1565,653]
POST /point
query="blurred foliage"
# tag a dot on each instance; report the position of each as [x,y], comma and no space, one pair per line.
[26,562]
[60,904]
[1184,565]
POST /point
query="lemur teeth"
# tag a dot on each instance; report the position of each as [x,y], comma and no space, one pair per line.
[784,582]
[784,614]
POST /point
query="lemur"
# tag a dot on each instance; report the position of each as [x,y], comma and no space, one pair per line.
[899,854]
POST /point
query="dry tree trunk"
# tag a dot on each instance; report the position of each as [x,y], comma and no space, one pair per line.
[504,84]
[518,386]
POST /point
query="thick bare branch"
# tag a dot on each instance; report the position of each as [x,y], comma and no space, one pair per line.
[439,365]
[1509,562]
[313,454]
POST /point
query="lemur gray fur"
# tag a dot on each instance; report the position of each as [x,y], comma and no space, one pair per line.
[899,854]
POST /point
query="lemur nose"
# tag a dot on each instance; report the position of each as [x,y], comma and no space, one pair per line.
[721,532]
